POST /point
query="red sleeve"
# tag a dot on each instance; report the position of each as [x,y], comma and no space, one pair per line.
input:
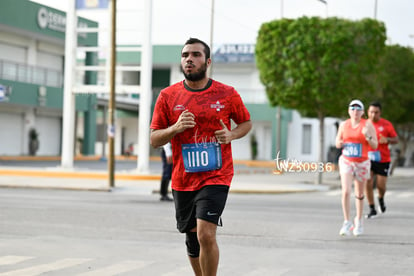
[239,112]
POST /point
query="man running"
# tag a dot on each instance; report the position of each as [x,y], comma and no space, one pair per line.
[195,115]
[380,158]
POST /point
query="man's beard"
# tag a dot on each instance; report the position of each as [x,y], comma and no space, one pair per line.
[197,76]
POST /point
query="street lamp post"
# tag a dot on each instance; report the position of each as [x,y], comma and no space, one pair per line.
[210,69]
[281,9]
[326,5]
[279,109]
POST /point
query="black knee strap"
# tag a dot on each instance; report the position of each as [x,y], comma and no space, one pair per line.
[193,247]
[360,198]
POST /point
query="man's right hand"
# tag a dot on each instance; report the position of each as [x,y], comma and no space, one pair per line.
[186,120]
[160,137]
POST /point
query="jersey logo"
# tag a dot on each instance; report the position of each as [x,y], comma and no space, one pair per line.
[179,107]
[217,106]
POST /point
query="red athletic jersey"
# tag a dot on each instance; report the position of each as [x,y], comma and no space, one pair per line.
[383,128]
[355,145]
[216,102]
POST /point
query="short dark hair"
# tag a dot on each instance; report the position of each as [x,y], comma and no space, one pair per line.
[376,104]
[193,40]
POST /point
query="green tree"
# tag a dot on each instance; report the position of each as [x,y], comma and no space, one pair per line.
[398,93]
[317,66]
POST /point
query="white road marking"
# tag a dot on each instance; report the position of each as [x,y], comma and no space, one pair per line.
[8,260]
[39,269]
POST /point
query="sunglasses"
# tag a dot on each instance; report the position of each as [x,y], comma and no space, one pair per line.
[358,108]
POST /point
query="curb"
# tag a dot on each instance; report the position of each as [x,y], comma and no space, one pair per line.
[77,174]
[75,158]
[86,189]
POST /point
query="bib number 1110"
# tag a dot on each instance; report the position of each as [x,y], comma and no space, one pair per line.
[201,157]
[197,158]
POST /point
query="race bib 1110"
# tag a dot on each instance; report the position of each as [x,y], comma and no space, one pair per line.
[201,157]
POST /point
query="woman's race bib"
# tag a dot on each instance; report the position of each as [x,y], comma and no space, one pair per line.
[352,150]
[201,157]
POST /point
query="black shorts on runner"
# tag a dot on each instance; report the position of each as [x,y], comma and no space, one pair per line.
[206,204]
[380,168]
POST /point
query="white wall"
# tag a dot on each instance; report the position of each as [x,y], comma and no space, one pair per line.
[295,134]
[30,51]
[263,132]
[49,129]
[129,78]
[237,76]
[175,75]
[11,133]
[18,122]
[265,146]
[131,132]
[12,53]
[241,148]
[50,61]
[244,78]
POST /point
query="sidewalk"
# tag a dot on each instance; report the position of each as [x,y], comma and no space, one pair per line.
[250,177]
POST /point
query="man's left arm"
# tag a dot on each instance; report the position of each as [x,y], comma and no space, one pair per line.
[239,113]
[225,136]
[392,140]
[393,136]
[241,130]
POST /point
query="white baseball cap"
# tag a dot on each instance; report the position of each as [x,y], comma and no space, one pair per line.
[358,103]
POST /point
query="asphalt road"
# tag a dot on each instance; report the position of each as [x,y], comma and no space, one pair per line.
[57,232]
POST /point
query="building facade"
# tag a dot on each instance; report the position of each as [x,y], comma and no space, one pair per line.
[32,58]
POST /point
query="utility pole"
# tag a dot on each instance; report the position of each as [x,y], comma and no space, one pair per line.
[279,109]
[281,9]
[68,131]
[326,4]
[210,69]
[111,103]
[145,99]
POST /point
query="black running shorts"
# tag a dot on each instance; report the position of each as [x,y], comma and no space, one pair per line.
[380,168]
[206,204]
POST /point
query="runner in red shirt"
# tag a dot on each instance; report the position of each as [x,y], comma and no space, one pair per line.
[214,105]
[380,158]
[355,136]
[195,116]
